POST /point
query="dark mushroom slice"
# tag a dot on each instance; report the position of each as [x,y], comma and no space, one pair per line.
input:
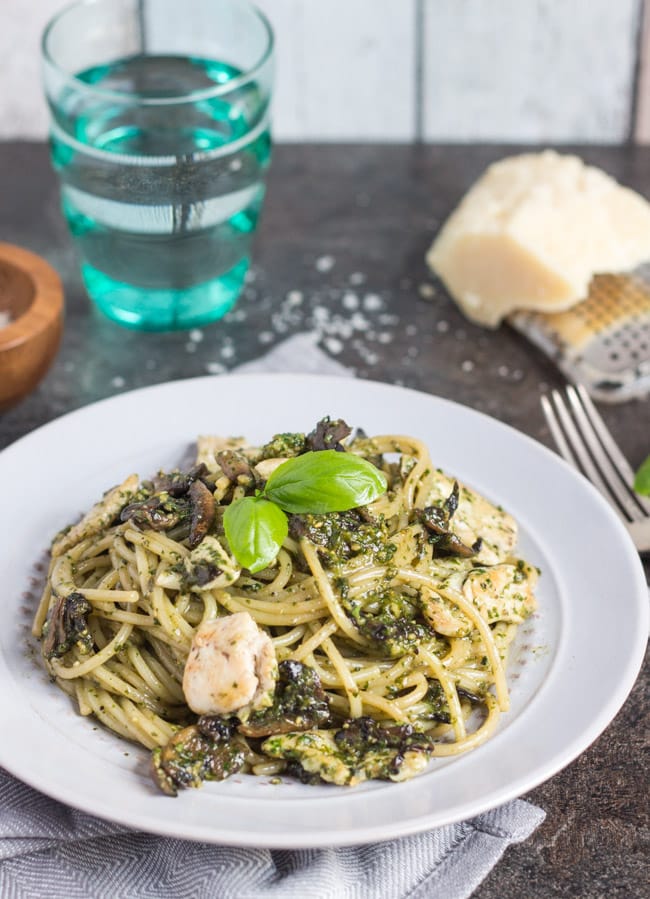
[159,513]
[67,625]
[436,520]
[451,545]
[299,703]
[192,757]
[202,508]
[177,483]
[328,434]
[236,468]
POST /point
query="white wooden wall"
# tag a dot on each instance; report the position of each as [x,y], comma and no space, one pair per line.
[399,70]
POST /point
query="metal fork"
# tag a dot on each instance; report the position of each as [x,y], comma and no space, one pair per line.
[584,441]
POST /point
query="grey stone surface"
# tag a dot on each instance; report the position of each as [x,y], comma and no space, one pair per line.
[340,253]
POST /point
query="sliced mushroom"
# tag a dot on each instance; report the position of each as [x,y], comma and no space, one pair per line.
[202,512]
[328,434]
[67,625]
[158,513]
[437,520]
[299,703]
[177,483]
[192,757]
[207,446]
[236,467]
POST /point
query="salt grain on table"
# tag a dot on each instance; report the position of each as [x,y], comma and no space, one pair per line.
[325,263]
[372,302]
[350,301]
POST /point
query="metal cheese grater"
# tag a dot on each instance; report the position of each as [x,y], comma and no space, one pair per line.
[602,342]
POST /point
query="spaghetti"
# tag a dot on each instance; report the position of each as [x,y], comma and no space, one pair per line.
[391,623]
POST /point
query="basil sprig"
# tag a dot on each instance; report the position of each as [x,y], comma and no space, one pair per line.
[642,478]
[256,529]
[318,482]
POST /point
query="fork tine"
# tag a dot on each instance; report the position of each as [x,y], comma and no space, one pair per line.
[615,479]
[579,450]
[556,433]
[620,462]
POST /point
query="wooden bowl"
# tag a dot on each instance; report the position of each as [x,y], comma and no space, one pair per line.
[32,294]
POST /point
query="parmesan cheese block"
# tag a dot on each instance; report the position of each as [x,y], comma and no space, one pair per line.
[532,232]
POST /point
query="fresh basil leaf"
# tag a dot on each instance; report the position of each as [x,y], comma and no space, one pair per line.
[324,481]
[255,529]
[642,478]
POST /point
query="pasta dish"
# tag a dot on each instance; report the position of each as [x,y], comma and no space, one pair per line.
[327,606]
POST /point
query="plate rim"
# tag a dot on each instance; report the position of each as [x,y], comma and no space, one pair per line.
[296,839]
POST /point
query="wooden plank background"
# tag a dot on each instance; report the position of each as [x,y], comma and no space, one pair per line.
[403,70]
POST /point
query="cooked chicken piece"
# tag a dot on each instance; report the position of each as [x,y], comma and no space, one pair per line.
[477,517]
[411,546]
[266,467]
[100,516]
[231,667]
[441,614]
[444,617]
[503,592]
[316,753]
[361,750]
[207,567]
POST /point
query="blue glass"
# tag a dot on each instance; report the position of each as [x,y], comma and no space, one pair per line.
[161,158]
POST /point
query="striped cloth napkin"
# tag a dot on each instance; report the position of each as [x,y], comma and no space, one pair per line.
[50,850]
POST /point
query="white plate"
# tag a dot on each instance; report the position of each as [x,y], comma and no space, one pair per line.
[573,665]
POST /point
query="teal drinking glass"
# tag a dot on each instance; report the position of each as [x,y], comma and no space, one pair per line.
[160,137]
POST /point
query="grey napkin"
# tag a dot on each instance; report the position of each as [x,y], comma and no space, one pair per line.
[50,850]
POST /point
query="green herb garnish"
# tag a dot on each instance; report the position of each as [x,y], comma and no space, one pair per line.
[317,482]
[642,478]
[256,529]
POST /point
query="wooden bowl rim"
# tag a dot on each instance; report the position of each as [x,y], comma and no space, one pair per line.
[47,304]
